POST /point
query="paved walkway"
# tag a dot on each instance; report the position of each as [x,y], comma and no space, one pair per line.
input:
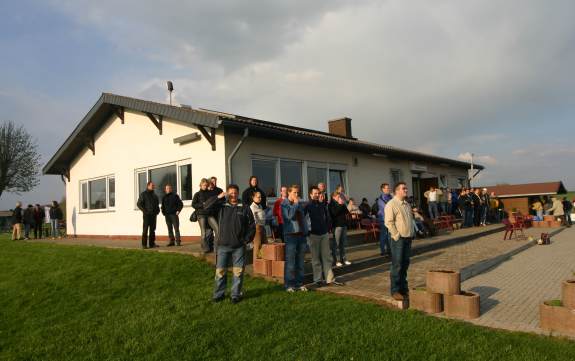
[470,258]
[512,292]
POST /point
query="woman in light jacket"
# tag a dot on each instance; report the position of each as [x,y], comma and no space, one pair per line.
[260,219]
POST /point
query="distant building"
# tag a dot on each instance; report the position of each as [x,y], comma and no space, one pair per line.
[5,220]
[521,196]
[123,142]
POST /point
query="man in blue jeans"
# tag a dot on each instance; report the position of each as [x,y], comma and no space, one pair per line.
[383,232]
[295,232]
[399,221]
[236,228]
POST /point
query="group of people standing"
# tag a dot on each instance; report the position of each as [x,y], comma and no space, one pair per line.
[479,208]
[475,205]
[42,220]
[560,208]
[229,223]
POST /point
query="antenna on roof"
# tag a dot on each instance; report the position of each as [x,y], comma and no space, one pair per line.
[170,89]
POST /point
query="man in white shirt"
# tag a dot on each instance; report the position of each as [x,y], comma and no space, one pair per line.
[401,226]
[432,196]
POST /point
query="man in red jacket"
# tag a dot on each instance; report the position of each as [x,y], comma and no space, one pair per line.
[277,210]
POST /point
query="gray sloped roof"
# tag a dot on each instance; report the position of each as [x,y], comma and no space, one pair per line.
[101,112]
[318,138]
[108,103]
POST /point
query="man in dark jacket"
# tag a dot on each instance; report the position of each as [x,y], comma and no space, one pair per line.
[248,194]
[28,219]
[236,229]
[171,207]
[17,222]
[56,215]
[214,185]
[149,204]
[38,220]
[207,218]
[318,239]
[466,204]
[474,195]
[338,212]
[567,208]
[382,200]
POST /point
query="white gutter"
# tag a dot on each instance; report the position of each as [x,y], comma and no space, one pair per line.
[233,153]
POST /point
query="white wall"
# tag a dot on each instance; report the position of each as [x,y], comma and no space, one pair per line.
[122,148]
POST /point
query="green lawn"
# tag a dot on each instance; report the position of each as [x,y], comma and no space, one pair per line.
[70,302]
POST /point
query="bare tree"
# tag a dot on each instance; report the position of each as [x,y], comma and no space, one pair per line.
[19,159]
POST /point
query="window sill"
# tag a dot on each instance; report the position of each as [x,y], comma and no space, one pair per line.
[97,211]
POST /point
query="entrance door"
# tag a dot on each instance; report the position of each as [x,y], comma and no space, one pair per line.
[416,191]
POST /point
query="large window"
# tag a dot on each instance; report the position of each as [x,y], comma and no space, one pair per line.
[291,173]
[395,177]
[142,181]
[315,176]
[273,173]
[336,178]
[265,171]
[178,175]
[84,191]
[111,192]
[186,182]
[98,194]
[163,176]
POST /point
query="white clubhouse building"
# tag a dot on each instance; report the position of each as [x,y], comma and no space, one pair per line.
[122,143]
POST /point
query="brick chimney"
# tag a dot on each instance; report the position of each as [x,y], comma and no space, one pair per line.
[341,127]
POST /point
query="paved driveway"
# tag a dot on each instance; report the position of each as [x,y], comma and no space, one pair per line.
[511,293]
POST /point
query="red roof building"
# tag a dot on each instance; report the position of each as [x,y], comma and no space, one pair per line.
[520,196]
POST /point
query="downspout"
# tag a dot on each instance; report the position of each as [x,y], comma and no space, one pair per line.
[476,173]
[471,178]
[233,153]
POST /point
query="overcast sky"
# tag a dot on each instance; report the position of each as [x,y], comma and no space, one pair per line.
[448,77]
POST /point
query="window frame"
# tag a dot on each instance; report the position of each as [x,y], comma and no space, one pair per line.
[178,186]
[86,182]
[392,182]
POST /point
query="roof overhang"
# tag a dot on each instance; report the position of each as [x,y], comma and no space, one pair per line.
[105,107]
[525,195]
[320,139]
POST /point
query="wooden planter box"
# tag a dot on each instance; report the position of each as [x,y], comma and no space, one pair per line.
[548,218]
[446,282]
[556,318]
[554,224]
[274,251]
[568,294]
[263,267]
[464,305]
[425,301]
[278,269]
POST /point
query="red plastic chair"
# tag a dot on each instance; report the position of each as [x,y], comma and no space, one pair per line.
[510,228]
[371,229]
